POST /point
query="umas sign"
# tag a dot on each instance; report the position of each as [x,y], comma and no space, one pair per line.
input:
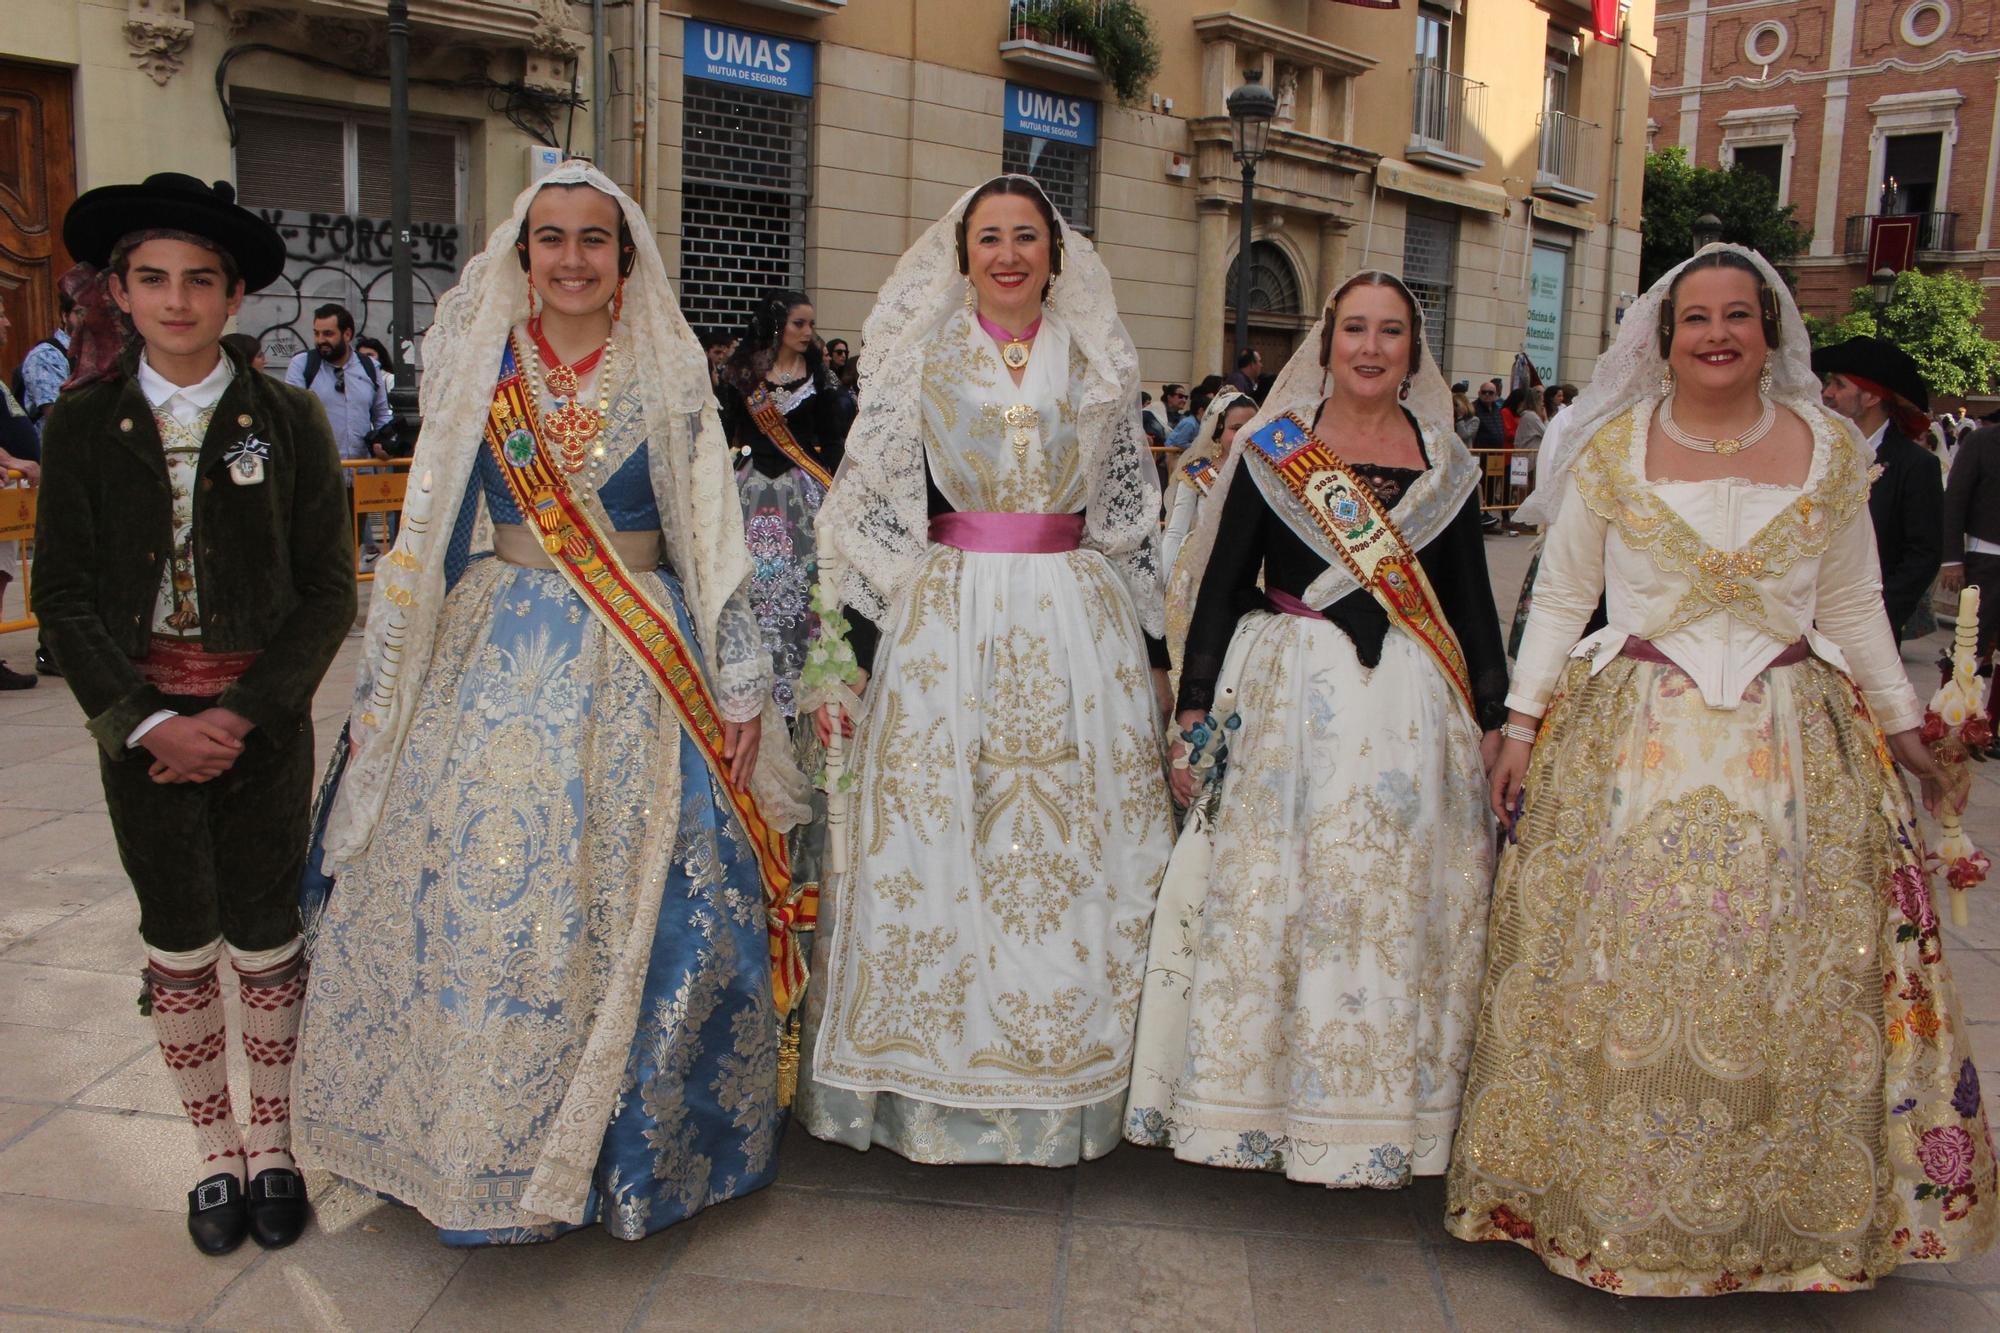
[752,59]
[1047,115]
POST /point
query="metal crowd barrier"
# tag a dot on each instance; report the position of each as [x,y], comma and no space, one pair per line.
[376,486]
[17,525]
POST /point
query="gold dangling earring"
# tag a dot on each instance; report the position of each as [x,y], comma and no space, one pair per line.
[1666,381]
[1765,379]
[618,301]
[531,300]
[971,298]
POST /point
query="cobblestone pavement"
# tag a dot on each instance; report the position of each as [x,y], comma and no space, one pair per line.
[94,1160]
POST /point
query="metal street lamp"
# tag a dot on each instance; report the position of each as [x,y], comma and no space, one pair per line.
[1707,231]
[1883,284]
[1250,110]
[402,285]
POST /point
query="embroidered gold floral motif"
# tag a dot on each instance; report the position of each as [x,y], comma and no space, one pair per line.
[1609,483]
[1689,1076]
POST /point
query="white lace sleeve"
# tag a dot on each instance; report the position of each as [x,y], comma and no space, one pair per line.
[1124,518]
[742,667]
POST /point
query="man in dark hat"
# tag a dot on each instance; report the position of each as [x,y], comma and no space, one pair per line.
[194,572]
[1878,387]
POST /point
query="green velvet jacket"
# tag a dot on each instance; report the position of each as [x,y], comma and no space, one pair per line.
[274,561]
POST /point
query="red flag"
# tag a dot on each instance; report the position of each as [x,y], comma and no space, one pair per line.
[1604,15]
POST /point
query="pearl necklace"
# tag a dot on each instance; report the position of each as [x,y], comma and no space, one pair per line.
[1726,446]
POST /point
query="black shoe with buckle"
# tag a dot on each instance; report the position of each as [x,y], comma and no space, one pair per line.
[44,664]
[217,1217]
[277,1207]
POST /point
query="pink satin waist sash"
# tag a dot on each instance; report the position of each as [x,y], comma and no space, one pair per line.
[1290,605]
[1016,534]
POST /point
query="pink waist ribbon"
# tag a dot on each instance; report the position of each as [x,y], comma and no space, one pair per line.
[1014,534]
[1290,605]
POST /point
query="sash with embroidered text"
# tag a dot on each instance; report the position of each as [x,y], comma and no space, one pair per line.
[1349,515]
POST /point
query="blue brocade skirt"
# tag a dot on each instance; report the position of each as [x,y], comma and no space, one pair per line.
[476,963]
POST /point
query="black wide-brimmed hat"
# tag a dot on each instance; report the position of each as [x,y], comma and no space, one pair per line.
[1878,361]
[170,201]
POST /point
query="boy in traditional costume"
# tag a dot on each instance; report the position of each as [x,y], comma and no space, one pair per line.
[194,573]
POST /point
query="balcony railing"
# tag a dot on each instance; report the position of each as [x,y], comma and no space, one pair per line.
[1045,32]
[1567,165]
[1935,231]
[1447,115]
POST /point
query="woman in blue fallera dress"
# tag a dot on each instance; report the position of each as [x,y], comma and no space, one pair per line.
[542,992]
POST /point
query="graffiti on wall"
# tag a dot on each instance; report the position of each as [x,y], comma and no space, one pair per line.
[346,258]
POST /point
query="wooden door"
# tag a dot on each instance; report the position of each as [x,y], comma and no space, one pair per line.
[37,186]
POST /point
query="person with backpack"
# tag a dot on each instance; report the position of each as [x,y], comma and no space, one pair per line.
[351,387]
[42,371]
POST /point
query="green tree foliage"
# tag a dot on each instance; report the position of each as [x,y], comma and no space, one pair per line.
[1935,318]
[1678,192]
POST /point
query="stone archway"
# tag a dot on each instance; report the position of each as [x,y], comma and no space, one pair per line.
[1277,305]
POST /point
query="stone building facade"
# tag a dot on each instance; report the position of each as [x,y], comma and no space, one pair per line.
[1490,150]
[1877,120]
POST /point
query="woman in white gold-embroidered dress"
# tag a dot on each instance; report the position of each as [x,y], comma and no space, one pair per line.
[1316,954]
[978,968]
[1719,1048]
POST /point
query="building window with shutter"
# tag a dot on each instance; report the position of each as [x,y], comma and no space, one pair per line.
[321,176]
[1053,138]
[743,199]
[1430,247]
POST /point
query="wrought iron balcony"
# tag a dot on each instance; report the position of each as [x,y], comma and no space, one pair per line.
[1935,231]
[1447,116]
[1044,34]
[1566,167]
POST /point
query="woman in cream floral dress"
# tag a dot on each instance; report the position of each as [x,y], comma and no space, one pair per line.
[1719,1048]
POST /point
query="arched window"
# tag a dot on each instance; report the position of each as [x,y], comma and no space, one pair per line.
[1274,283]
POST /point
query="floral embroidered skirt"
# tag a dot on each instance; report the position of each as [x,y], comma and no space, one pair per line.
[1719,1048]
[1309,998]
[778,517]
[977,970]
[525,988]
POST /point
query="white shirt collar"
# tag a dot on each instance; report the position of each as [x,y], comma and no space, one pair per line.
[184,402]
[1873,444]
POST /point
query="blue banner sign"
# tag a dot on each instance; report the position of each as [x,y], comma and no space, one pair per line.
[753,59]
[1047,115]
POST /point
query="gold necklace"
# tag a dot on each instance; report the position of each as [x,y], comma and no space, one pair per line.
[571,427]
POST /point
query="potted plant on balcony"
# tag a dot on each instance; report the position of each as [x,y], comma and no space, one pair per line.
[1120,34]
[1035,21]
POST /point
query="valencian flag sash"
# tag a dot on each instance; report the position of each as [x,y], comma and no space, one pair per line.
[651,635]
[1350,515]
[764,411]
[1201,472]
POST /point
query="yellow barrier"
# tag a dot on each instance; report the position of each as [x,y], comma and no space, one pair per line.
[17,524]
[376,487]
[1498,494]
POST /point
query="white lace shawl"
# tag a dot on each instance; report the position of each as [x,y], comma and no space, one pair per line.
[1631,370]
[875,524]
[1299,389]
[700,512]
